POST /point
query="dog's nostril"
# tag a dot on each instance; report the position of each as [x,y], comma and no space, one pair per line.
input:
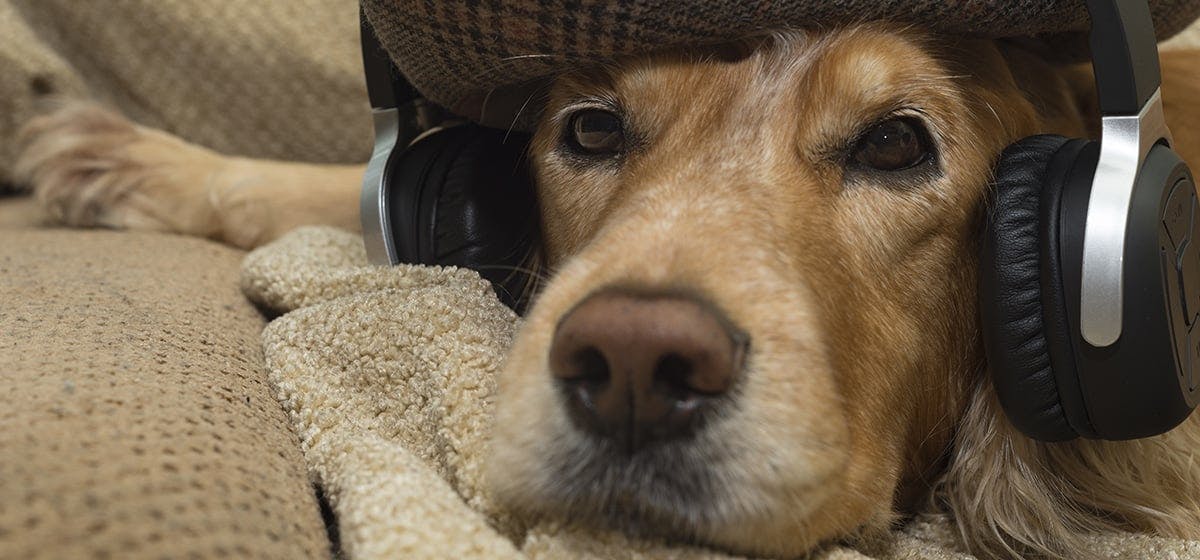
[585,378]
[673,374]
[590,366]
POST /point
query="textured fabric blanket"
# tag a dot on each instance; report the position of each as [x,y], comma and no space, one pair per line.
[482,59]
[388,375]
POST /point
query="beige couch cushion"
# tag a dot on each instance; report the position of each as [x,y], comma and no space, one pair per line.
[135,417]
[278,79]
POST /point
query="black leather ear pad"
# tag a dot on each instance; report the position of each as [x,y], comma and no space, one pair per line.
[1020,288]
[463,197]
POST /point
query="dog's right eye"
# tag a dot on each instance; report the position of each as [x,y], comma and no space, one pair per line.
[596,132]
[893,145]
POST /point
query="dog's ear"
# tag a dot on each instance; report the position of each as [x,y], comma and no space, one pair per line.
[1015,497]
[1064,95]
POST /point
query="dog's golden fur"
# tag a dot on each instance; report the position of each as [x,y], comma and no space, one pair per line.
[867,394]
[92,168]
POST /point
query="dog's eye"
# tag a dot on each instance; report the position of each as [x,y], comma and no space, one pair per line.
[596,132]
[893,145]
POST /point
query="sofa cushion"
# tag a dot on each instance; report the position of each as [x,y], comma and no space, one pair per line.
[278,79]
[135,417]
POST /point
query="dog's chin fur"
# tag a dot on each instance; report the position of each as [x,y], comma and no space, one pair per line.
[866,394]
[688,490]
[668,488]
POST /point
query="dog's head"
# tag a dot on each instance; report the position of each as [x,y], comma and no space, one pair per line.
[761,332]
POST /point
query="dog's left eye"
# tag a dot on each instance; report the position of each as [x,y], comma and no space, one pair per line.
[592,131]
[893,145]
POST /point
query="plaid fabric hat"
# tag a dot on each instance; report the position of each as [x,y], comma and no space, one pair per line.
[482,58]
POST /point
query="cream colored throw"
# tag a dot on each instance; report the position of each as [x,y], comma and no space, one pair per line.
[388,375]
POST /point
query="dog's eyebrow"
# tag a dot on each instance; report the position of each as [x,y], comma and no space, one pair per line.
[840,134]
[859,103]
[604,101]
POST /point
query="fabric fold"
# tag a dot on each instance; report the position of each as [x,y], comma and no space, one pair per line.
[389,376]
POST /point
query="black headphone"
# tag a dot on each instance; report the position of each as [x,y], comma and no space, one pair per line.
[1089,280]
[459,194]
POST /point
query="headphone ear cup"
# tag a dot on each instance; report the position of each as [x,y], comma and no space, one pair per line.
[1020,286]
[463,197]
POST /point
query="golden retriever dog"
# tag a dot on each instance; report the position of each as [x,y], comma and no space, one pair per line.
[760,332]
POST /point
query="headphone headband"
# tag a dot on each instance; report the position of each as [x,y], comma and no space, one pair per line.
[1125,62]
[1124,55]
[387,88]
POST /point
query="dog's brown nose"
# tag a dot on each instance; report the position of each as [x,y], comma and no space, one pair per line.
[636,369]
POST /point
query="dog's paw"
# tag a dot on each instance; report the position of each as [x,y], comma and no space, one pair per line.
[90,167]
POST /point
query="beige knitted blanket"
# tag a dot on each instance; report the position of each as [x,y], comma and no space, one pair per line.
[388,375]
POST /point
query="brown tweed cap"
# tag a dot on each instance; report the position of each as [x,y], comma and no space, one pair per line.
[481,58]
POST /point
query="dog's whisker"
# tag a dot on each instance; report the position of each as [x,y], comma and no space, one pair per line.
[995,115]
[505,62]
[528,56]
[533,270]
[516,118]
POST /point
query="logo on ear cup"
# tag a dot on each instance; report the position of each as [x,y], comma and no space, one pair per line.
[1181,263]
[1187,262]
[1177,218]
[1195,361]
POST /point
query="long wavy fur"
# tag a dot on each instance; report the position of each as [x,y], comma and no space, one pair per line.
[1013,497]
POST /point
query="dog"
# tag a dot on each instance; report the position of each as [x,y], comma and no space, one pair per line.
[760,331]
